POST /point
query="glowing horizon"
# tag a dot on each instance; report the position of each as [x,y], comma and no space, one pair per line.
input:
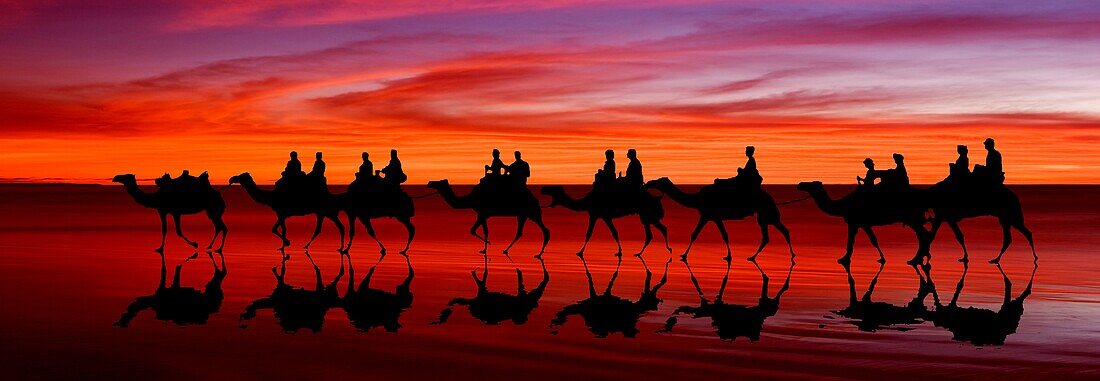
[90,91]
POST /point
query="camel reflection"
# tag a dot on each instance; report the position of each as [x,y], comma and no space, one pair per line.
[180,305]
[869,315]
[981,326]
[731,321]
[493,307]
[295,307]
[370,307]
[606,313]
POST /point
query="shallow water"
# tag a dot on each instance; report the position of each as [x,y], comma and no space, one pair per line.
[75,257]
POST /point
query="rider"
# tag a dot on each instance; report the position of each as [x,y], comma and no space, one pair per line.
[393,172]
[367,168]
[318,171]
[634,178]
[608,170]
[897,178]
[497,168]
[749,175]
[519,170]
[960,169]
[293,166]
[993,168]
[868,181]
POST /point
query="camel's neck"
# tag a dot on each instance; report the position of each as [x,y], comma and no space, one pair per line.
[826,203]
[455,201]
[259,195]
[147,200]
[568,202]
[674,192]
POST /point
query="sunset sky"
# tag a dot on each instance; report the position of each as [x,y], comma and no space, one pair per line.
[88,91]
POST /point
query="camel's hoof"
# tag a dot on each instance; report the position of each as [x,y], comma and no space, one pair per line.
[881,260]
[483,252]
[995,261]
[964,260]
[505,252]
[638,255]
[911,262]
[580,255]
[619,254]
[727,258]
[538,256]
[286,257]
[194,245]
[382,251]
[683,258]
[218,250]
[669,249]
[403,252]
[159,251]
[753,258]
[844,261]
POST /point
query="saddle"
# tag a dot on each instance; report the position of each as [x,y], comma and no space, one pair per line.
[185,184]
[494,183]
[301,183]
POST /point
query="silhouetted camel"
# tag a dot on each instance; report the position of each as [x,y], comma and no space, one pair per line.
[522,205]
[180,305]
[287,204]
[731,321]
[493,307]
[366,200]
[294,307]
[608,206]
[863,209]
[869,315]
[952,203]
[981,326]
[717,206]
[606,313]
[177,204]
[370,307]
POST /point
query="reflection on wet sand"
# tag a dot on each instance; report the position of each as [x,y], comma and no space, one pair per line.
[607,313]
[180,305]
[731,321]
[296,308]
[871,316]
[493,307]
[981,326]
[370,307]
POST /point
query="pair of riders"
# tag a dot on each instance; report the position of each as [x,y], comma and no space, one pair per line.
[512,175]
[392,174]
[294,177]
[893,179]
[991,173]
[606,179]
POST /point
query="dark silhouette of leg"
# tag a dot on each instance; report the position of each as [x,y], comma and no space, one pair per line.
[959,237]
[179,231]
[664,234]
[316,230]
[335,218]
[874,242]
[370,232]
[163,232]
[694,236]
[850,246]
[351,233]
[763,240]
[1019,225]
[587,234]
[219,225]
[1006,240]
[648,229]
[614,234]
[404,220]
[725,238]
[484,240]
[786,236]
[520,222]
[537,219]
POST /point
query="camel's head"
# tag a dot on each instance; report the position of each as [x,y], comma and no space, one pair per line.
[438,184]
[241,177]
[128,178]
[658,183]
[807,186]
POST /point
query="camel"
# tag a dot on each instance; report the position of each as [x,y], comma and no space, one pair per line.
[368,308]
[607,206]
[369,201]
[863,210]
[180,305]
[981,326]
[295,307]
[177,204]
[607,313]
[717,206]
[522,205]
[493,307]
[870,316]
[952,204]
[287,204]
[731,321]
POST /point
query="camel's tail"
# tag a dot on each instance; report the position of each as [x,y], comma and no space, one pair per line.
[793,201]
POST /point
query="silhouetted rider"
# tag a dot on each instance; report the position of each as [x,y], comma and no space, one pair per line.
[318,167]
[293,166]
[393,172]
[961,167]
[868,181]
[497,167]
[519,170]
[634,178]
[749,176]
[367,168]
[993,168]
[897,178]
[607,173]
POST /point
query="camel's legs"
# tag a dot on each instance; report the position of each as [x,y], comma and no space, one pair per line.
[874,242]
[520,222]
[179,231]
[219,228]
[591,284]
[764,239]
[335,218]
[850,246]
[351,234]
[279,229]
[480,222]
[316,230]
[648,238]
[537,218]
[664,233]
[588,233]
[954,225]
[725,238]
[1019,225]
[614,234]
[1005,241]
[786,236]
[694,235]
[163,232]
[370,232]
[410,229]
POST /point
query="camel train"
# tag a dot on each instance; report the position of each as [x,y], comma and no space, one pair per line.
[881,197]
